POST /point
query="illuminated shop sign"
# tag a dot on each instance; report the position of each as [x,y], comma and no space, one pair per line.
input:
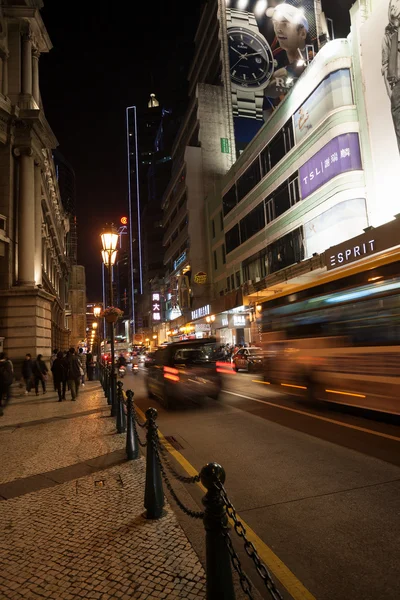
[179,260]
[370,242]
[340,155]
[201,312]
[156,307]
[239,320]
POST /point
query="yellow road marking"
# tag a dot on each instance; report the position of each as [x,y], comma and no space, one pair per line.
[263,382]
[318,417]
[346,393]
[295,588]
[298,387]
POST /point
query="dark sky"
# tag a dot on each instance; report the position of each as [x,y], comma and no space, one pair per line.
[102,61]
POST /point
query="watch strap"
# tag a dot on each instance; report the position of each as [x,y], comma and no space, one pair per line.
[248,103]
[240,18]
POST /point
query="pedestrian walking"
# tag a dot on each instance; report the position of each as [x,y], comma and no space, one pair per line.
[6,379]
[82,359]
[74,373]
[27,372]
[89,366]
[40,373]
[60,370]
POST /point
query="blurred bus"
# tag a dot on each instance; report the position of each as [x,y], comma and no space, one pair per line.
[338,338]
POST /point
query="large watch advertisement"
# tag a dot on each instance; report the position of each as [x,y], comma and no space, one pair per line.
[269,45]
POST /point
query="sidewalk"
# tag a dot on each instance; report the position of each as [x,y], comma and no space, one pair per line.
[71,510]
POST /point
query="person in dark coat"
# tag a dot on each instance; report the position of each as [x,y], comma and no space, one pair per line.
[59,369]
[39,373]
[74,373]
[27,373]
[6,379]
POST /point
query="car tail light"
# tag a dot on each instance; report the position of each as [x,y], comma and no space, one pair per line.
[225,368]
[171,374]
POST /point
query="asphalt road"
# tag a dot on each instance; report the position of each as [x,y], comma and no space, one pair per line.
[320,485]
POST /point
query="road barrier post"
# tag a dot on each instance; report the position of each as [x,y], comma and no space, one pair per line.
[154,494]
[132,444]
[219,582]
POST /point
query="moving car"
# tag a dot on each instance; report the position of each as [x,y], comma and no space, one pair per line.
[184,371]
[248,359]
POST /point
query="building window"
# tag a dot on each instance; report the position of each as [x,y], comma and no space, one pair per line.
[232,239]
[232,282]
[252,223]
[223,254]
[229,201]
[283,198]
[249,179]
[215,261]
[277,148]
[238,279]
[221,221]
[282,253]
[213,228]
[228,284]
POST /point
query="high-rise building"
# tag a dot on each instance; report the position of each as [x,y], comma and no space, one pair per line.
[67,185]
[141,130]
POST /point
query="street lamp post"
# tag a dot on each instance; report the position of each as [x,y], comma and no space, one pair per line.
[109,241]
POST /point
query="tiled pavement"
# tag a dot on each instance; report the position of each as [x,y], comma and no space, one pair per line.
[85,538]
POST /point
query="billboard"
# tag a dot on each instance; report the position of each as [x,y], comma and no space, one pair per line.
[380,53]
[333,92]
[269,46]
[340,155]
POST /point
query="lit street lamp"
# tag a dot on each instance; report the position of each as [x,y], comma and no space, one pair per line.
[109,241]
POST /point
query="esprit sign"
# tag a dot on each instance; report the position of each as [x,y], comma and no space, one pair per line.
[351,253]
[372,241]
[338,156]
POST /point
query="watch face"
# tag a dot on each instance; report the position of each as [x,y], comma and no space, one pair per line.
[250,57]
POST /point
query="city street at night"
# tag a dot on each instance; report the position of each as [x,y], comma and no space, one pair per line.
[318,486]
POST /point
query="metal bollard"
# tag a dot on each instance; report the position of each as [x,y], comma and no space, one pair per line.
[121,419]
[153,494]
[113,400]
[132,444]
[219,583]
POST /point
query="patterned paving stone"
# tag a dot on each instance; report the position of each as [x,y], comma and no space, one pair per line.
[74,542]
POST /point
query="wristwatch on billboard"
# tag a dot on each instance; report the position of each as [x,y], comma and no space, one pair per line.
[251,63]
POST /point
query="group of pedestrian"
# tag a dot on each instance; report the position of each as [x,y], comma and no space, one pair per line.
[68,371]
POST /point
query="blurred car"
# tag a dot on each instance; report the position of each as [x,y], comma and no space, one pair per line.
[149,359]
[184,371]
[248,359]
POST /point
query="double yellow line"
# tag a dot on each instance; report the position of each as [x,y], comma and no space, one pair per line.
[295,588]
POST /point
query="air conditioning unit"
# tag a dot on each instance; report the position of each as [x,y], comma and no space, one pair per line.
[257,279]
[249,282]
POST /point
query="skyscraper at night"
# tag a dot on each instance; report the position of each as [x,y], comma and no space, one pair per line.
[141,131]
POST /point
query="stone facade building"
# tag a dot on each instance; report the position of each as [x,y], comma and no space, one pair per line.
[34,267]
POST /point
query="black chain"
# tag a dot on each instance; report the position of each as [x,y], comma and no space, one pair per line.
[187,511]
[136,418]
[249,546]
[182,478]
[143,444]
[237,565]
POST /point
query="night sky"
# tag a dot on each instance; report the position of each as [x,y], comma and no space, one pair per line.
[102,61]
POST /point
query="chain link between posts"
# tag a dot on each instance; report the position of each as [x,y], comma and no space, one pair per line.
[248,546]
[191,513]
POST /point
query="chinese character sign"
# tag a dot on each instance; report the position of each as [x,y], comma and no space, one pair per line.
[340,155]
[156,307]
